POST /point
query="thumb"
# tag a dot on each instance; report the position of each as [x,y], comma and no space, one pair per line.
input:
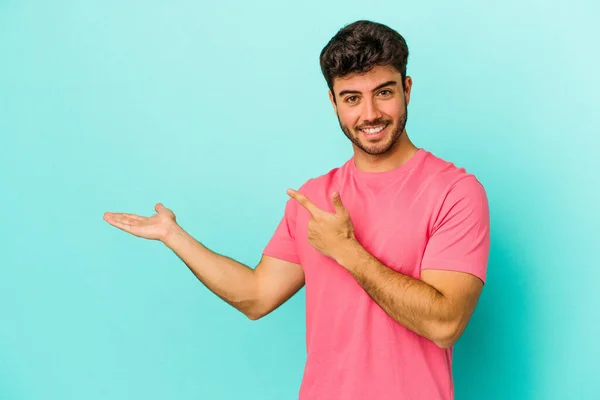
[336,200]
[159,207]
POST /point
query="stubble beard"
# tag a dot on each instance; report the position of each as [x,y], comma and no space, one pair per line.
[376,149]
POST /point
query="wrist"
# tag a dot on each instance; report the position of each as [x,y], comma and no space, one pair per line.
[349,253]
[172,234]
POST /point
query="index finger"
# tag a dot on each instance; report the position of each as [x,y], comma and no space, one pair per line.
[304,202]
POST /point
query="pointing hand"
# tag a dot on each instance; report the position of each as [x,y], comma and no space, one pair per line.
[329,233]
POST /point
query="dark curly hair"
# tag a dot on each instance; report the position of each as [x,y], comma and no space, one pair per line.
[360,46]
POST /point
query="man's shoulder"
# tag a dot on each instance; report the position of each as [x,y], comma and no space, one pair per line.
[324,180]
[442,176]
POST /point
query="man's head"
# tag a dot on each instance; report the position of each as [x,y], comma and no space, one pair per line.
[364,65]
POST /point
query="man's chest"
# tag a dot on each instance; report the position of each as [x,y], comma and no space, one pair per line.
[393,227]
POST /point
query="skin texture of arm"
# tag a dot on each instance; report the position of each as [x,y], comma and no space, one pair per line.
[438,306]
[254,292]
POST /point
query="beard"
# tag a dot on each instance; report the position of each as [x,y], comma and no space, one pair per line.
[378,148]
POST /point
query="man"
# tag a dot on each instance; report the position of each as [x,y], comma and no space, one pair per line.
[392,245]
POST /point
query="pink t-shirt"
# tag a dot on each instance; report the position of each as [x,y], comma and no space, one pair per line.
[427,213]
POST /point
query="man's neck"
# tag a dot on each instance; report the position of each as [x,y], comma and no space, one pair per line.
[402,151]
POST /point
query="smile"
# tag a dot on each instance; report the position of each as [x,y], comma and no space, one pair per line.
[374,131]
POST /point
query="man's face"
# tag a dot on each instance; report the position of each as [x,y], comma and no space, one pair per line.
[372,108]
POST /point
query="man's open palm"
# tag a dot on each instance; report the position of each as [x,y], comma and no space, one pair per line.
[155,227]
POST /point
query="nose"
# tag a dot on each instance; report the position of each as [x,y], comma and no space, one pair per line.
[370,110]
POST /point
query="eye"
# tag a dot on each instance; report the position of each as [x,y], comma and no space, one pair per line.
[385,92]
[351,99]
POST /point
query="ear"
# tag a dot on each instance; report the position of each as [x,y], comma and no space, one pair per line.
[407,88]
[332,99]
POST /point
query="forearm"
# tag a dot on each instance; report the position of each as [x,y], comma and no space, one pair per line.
[411,302]
[232,281]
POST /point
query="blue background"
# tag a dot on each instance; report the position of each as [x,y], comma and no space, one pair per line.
[215,109]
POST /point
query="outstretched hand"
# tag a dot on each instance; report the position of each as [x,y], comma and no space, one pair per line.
[156,227]
[329,233]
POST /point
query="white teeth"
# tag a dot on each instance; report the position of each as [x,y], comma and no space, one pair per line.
[372,131]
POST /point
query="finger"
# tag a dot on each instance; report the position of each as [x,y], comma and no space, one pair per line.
[123,215]
[122,223]
[159,207]
[122,219]
[129,224]
[133,217]
[305,202]
[336,200]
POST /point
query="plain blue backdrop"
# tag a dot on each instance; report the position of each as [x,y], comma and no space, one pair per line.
[215,109]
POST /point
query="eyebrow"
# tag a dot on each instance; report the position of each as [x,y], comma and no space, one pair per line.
[388,83]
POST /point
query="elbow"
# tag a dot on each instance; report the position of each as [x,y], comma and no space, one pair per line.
[253,316]
[254,312]
[250,308]
[444,343]
[446,335]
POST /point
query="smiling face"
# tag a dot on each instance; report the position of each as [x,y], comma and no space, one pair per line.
[372,108]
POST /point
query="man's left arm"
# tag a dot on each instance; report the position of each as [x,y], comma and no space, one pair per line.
[439,305]
[453,269]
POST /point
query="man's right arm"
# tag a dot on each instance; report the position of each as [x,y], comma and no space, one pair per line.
[254,292]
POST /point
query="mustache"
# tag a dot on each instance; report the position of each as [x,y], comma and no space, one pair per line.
[377,122]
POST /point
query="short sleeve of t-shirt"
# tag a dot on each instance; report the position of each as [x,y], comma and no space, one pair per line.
[282,244]
[460,238]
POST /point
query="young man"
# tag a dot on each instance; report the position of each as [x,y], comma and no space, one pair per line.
[392,245]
